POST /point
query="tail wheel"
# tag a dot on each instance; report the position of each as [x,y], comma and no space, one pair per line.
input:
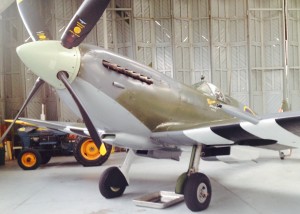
[197,192]
[112,183]
[86,152]
[29,159]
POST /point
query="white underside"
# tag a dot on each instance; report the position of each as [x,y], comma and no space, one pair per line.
[206,136]
[269,129]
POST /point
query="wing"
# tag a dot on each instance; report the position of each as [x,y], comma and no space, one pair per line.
[20,122]
[277,132]
[68,127]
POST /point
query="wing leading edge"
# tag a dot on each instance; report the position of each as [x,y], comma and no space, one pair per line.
[68,127]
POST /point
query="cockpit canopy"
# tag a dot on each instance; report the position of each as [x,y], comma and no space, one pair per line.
[210,90]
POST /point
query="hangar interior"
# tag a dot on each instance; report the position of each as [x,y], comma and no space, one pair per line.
[249,48]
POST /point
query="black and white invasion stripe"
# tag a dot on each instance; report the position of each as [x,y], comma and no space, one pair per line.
[284,131]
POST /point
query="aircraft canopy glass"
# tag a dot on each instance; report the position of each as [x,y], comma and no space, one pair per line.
[210,89]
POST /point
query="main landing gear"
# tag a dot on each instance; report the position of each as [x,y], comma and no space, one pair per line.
[195,186]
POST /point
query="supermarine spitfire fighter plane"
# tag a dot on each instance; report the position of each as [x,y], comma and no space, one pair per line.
[127,104]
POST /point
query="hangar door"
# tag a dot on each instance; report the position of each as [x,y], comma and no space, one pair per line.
[274,54]
[237,44]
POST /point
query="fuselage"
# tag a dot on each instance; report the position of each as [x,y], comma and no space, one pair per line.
[157,102]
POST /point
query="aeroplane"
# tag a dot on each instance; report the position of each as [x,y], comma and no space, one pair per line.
[128,104]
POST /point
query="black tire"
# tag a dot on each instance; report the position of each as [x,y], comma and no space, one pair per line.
[112,183]
[46,156]
[87,153]
[197,192]
[29,159]
[17,152]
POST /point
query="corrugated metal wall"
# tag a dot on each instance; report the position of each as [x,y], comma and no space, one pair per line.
[236,44]
[266,54]
[229,47]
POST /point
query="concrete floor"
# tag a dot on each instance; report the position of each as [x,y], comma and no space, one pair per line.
[259,182]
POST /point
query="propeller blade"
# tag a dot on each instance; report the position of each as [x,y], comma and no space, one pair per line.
[90,126]
[33,20]
[83,22]
[38,83]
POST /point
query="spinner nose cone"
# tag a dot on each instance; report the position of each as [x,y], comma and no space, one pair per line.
[47,58]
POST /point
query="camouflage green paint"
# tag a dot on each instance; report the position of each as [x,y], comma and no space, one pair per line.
[164,105]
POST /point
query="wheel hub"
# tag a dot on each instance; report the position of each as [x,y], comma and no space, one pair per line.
[89,150]
[28,159]
[202,193]
[115,189]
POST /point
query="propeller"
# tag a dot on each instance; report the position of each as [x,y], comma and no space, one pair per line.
[38,83]
[32,20]
[81,24]
[88,122]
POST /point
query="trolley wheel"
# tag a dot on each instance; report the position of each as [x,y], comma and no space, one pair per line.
[46,156]
[86,152]
[29,159]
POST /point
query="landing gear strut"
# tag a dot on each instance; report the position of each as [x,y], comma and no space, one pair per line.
[195,186]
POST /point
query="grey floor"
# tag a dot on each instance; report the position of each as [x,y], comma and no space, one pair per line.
[250,181]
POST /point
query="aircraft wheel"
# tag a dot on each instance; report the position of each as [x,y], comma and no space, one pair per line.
[86,152]
[281,155]
[29,159]
[46,156]
[197,192]
[112,183]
